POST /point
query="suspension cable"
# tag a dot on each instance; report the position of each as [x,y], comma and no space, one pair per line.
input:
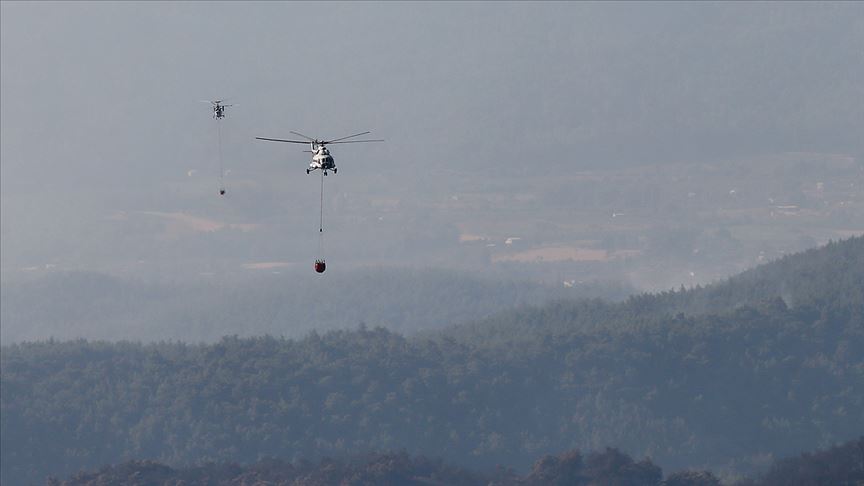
[321,220]
[219,148]
[321,224]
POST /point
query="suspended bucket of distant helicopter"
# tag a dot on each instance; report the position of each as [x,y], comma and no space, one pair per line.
[320,266]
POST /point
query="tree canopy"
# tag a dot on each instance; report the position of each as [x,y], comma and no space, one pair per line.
[726,389]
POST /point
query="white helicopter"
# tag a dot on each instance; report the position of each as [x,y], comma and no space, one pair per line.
[321,158]
[218,108]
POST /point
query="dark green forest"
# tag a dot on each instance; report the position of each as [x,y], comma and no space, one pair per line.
[841,465]
[829,279]
[571,468]
[726,377]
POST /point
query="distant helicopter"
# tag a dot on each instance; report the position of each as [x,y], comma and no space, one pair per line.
[218,108]
[321,158]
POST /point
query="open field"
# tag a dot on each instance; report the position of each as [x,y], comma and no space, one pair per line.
[654,226]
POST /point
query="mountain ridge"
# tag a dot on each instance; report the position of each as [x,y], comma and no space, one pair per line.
[726,391]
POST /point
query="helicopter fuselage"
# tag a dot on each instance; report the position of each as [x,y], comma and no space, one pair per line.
[321,159]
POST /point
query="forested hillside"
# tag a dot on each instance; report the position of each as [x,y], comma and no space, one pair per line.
[98,306]
[570,468]
[841,465]
[825,280]
[725,390]
[828,277]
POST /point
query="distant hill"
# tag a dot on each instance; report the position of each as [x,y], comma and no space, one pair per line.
[831,276]
[97,306]
[841,465]
[728,390]
[390,469]
[828,279]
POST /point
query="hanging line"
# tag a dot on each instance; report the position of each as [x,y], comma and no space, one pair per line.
[321,221]
[219,143]
[321,224]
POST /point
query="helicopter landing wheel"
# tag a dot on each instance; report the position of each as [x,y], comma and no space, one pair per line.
[334,170]
[307,171]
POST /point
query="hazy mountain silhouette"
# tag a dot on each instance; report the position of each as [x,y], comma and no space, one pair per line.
[725,390]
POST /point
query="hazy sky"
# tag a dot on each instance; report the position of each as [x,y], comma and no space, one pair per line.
[100,108]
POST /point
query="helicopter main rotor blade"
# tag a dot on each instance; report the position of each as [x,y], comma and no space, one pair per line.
[304,136]
[343,138]
[355,141]
[281,140]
